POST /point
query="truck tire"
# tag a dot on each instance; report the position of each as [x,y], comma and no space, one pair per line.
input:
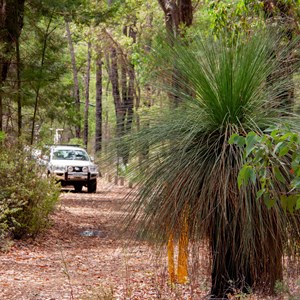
[92,186]
[78,187]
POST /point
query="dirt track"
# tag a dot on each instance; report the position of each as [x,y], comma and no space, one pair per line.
[65,263]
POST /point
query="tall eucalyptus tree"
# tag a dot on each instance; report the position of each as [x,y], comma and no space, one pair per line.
[87,94]
[76,92]
[98,116]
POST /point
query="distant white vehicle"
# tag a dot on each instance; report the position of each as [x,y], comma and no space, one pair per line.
[71,165]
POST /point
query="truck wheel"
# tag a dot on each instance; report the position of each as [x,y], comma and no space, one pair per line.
[78,187]
[92,186]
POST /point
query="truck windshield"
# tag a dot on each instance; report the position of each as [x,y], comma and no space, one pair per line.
[66,154]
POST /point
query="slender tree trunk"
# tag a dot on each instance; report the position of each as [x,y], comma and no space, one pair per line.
[177,13]
[124,74]
[75,78]
[87,96]
[129,104]
[19,93]
[130,98]
[37,95]
[98,141]
[119,108]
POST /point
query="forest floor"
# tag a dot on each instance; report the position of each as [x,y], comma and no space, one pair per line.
[65,262]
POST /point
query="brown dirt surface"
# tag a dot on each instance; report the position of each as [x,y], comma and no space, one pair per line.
[64,262]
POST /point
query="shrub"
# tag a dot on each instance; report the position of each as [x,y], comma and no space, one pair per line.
[27,196]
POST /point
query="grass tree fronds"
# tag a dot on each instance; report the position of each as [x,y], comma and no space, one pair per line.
[224,88]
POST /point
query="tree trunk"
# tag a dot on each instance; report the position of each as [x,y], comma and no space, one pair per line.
[130,93]
[130,98]
[177,13]
[11,24]
[75,78]
[37,95]
[98,131]
[87,96]
[124,74]
[19,93]
[119,109]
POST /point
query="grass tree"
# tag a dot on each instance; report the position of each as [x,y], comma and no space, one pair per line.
[188,185]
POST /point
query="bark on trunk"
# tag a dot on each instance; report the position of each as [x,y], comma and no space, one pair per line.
[37,95]
[87,96]
[177,13]
[119,108]
[124,74]
[11,24]
[98,141]
[75,78]
[130,93]
[19,93]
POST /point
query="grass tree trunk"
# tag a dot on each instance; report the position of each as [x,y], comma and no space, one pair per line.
[75,78]
[98,131]
[87,96]
[236,268]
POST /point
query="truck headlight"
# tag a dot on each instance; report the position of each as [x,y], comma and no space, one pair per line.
[93,169]
[85,169]
[70,169]
[58,168]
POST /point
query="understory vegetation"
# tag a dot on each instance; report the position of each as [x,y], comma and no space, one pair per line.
[27,197]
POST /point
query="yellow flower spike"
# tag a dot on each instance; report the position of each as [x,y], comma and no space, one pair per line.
[171,263]
[182,274]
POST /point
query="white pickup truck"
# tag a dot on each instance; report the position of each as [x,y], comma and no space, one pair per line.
[71,165]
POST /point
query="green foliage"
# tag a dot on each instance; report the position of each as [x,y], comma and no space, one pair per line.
[274,160]
[234,16]
[281,288]
[2,136]
[26,196]
[76,141]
